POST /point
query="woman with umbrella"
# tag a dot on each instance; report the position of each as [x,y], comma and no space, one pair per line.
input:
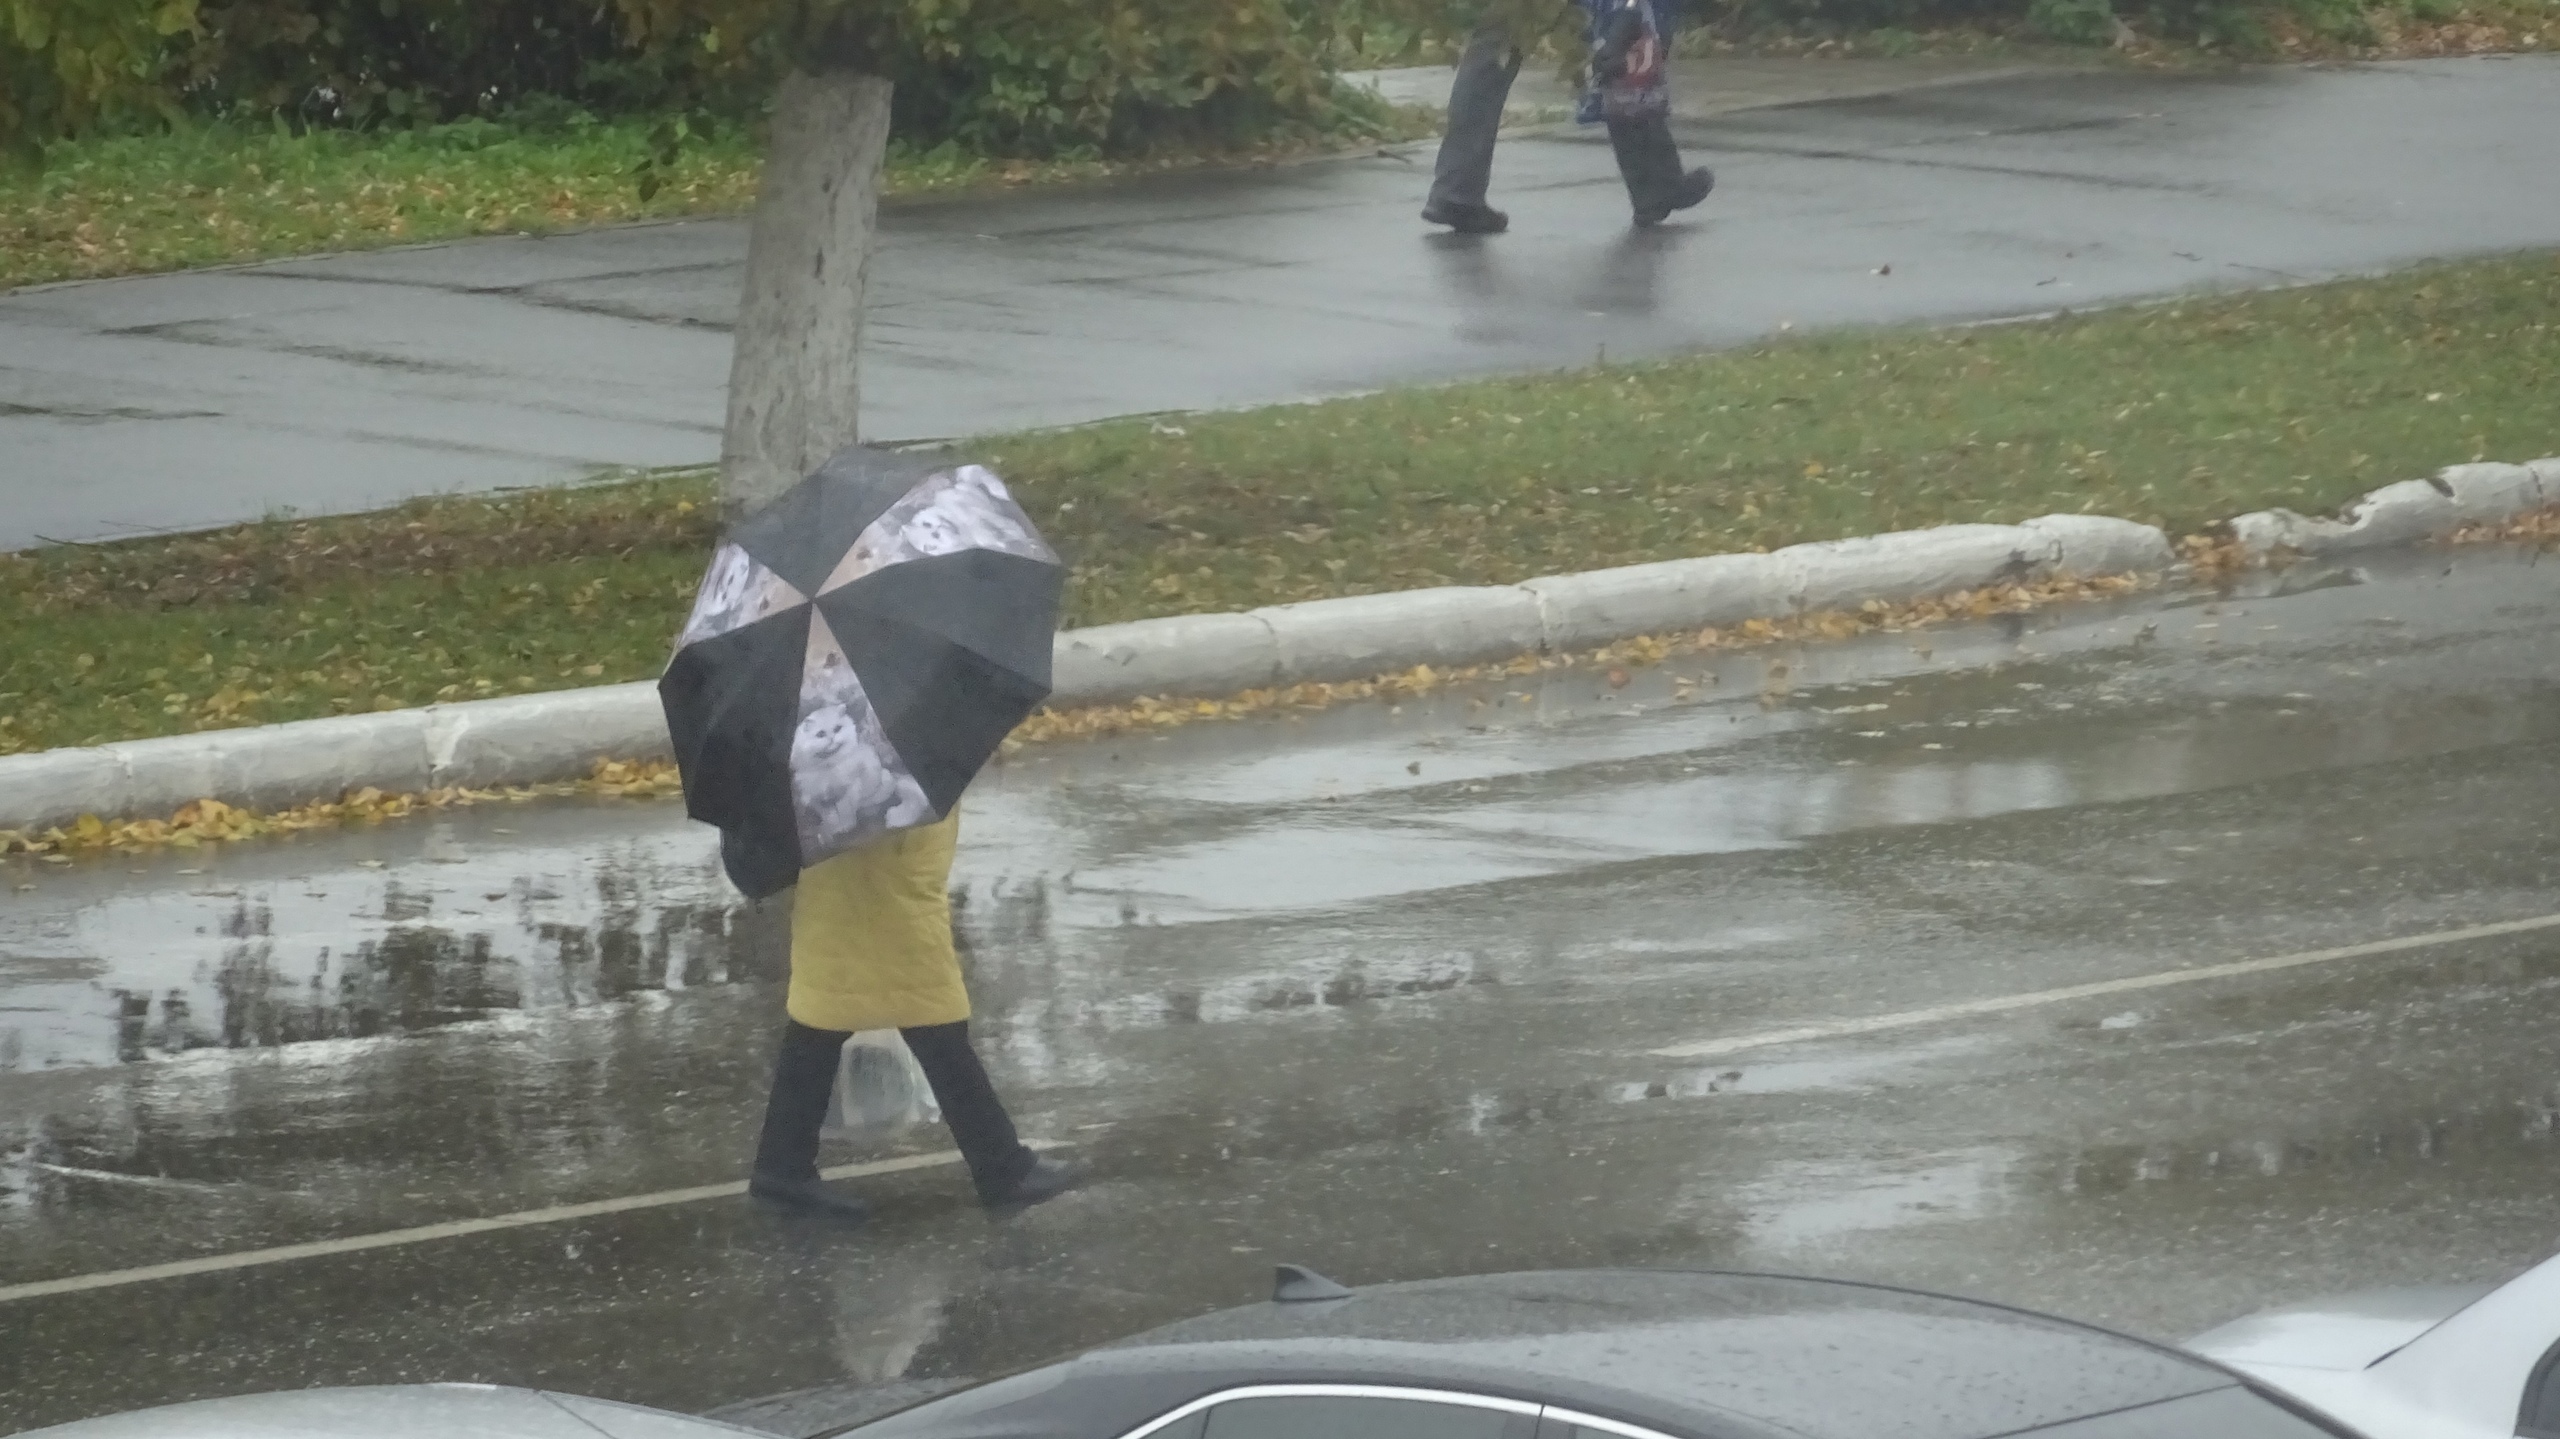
[857,652]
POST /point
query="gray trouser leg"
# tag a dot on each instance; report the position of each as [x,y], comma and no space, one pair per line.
[1476,99]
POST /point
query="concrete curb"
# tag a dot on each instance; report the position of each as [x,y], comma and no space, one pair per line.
[1364,635]
[2408,512]
[530,739]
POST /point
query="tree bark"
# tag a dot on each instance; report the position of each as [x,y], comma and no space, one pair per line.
[795,394]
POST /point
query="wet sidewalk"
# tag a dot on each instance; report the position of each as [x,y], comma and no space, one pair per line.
[1387,989]
[1705,87]
[353,381]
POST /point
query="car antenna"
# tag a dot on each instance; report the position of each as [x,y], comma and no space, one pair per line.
[1295,1284]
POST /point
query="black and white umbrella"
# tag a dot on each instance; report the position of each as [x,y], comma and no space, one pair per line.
[857,652]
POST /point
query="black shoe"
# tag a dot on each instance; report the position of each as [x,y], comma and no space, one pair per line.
[1045,1180]
[1467,219]
[1694,187]
[810,1197]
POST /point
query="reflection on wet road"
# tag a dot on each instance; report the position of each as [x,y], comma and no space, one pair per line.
[153,958]
[1379,989]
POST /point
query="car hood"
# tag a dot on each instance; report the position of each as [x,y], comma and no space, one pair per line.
[405,1411]
[2346,1332]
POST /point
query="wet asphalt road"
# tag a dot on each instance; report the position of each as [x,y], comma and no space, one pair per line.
[350,382]
[1382,990]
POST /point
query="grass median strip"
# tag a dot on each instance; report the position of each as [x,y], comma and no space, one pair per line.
[2179,414]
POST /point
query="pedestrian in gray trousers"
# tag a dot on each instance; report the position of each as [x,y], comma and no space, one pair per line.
[1648,158]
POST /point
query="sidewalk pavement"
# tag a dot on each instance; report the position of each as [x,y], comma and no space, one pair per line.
[352,381]
[1702,89]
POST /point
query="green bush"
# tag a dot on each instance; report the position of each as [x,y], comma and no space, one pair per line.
[2343,20]
[362,62]
[67,64]
[1042,76]
[2073,22]
[1020,77]
[1057,77]
[1029,78]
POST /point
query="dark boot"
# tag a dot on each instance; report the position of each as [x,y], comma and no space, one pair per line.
[1466,219]
[786,1169]
[1046,1180]
[1692,190]
[1649,162]
[1007,1173]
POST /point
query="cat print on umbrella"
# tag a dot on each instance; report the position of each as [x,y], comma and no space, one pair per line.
[736,592]
[851,782]
[964,509]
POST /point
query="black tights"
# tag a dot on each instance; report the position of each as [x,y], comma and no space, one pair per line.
[1648,160]
[804,1077]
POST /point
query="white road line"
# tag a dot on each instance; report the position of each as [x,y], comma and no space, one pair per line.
[109,1176]
[2006,1003]
[451,1229]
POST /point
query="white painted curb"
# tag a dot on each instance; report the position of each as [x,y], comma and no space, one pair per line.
[528,739]
[522,739]
[2407,512]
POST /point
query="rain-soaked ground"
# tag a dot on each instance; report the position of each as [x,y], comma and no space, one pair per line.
[1380,989]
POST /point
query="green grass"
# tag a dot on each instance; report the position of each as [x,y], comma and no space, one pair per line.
[215,194]
[2180,414]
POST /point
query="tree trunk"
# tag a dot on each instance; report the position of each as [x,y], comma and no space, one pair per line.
[795,395]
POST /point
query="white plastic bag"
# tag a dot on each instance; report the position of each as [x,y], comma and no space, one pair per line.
[881,1091]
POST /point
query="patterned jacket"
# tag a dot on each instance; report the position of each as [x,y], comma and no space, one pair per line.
[1630,76]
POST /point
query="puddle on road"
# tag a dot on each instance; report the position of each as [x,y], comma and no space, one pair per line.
[414,926]
[397,929]
[133,958]
[1792,1207]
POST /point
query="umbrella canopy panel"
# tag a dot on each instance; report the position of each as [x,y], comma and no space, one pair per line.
[855,655]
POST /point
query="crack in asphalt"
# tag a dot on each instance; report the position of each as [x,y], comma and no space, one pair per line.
[100,415]
[186,332]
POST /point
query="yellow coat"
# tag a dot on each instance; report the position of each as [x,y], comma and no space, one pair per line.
[871,936]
